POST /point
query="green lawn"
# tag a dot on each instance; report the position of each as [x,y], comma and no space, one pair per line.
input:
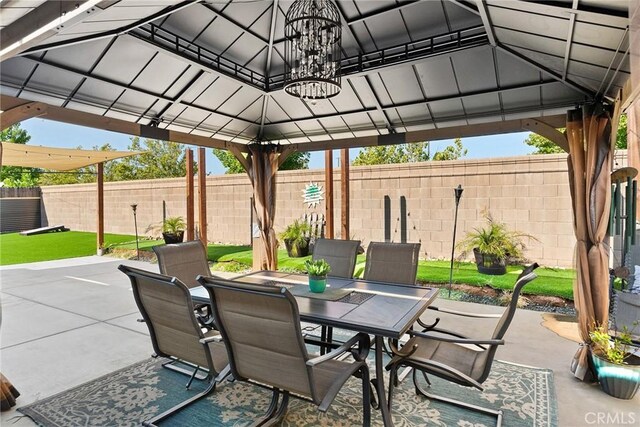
[17,249]
[550,281]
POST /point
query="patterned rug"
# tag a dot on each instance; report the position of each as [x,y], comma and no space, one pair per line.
[138,392]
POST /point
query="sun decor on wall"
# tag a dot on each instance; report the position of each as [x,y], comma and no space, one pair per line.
[312,194]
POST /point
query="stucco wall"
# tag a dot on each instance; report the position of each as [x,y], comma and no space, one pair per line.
[529,193]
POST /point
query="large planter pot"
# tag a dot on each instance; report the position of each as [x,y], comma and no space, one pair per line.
[620,381]
[317,284]
[295,251]
[489,264]
[170,238]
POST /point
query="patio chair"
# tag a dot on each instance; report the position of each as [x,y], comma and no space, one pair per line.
[261,326]
[392,262]
[165,305]
[341,256]
[449,355]
[186,261]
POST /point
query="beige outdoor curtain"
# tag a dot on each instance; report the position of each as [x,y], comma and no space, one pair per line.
[589,136]
[263,165]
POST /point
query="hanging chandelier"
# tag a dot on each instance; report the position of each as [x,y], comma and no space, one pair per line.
[313,36]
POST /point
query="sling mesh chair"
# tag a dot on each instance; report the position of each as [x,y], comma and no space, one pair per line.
[448,354]
[392,262]
[166,306]
[261,326]
[186,261]
[341,256]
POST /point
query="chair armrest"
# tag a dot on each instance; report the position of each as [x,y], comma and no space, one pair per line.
[465,313]
[363,341]
[403,352]
[210,339]
[456,340]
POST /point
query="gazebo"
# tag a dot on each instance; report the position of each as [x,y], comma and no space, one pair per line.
[213,74]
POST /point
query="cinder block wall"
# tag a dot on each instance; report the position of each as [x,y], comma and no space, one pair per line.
[529,193]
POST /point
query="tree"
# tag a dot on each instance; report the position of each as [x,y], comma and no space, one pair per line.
[295,161]
[545,146]
[17,176]
[407,153]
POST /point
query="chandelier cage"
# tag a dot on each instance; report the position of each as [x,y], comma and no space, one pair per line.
[313,39]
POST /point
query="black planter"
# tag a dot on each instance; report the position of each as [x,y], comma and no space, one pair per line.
[620,381]
[489,264]
[170,238]
[295,251]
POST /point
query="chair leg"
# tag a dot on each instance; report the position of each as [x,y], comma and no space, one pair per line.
[273,406]
[155,420]
[366,397]
[496,413]
[280,413]
[392,383]
[171,364]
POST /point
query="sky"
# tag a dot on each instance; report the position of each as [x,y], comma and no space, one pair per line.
[56,134]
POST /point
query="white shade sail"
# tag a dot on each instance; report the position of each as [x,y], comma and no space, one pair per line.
[62,159]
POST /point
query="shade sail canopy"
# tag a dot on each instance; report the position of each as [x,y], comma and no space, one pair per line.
[62,159]
[215,68]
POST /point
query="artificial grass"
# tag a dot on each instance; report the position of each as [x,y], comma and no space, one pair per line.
[17,249]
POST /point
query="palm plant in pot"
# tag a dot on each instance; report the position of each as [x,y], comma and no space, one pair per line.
[318,270]
[296,239]
[617,368]
[493,245]
[173,229]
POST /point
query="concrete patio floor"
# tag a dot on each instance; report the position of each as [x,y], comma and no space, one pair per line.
[70,321]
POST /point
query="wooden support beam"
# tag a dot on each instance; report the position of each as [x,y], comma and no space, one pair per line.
[344,183]
[328,193]
[12,115]
[100,209]
[202,195]
[190,211]
[549,132]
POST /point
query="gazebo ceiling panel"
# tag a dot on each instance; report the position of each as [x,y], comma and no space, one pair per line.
[49,79]
[512,71]
[533,42]
[522,98]
[122,115]
[401,85]
[596,35]
[89,108]
[186,80]
[445,108]
[361,120]
[12,11]
[16,72]
[161,71]
[414,113]
[219,92]
[437,78]
[481,103]
[188,22]
[345,101]
[293,107]
[474,74]
[97,92]
[240,102]
[38,96]
[81,57]
[193,115]
[237,45]
[252,111]
[547,26]
[258,15]
[425,19]
[124,60]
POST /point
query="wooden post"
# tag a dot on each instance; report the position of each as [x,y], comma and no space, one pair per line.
[202,195]
[344,183]
[100,216]
[328,185]
[190,211]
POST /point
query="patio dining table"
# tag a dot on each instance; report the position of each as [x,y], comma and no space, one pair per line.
[384,310]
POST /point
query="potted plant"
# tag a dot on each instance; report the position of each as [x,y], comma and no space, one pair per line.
[317,270]
[493,245]
[173,229]
[296,239]
[618,370]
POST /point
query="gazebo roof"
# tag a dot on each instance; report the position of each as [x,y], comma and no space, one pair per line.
[215,69]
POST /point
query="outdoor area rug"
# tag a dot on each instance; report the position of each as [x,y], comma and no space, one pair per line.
[138,392]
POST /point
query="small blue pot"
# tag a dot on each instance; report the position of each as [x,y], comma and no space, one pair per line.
[317,284]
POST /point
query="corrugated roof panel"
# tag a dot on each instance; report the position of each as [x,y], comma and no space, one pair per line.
[402,85]
[124,60]
[161,72]
[82,56]
[437,77]
[481,103]
[475,70]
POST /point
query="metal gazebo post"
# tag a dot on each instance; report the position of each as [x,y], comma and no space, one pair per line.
[458,194]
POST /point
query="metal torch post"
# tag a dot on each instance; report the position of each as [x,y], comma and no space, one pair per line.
[458,194]
[135,224]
